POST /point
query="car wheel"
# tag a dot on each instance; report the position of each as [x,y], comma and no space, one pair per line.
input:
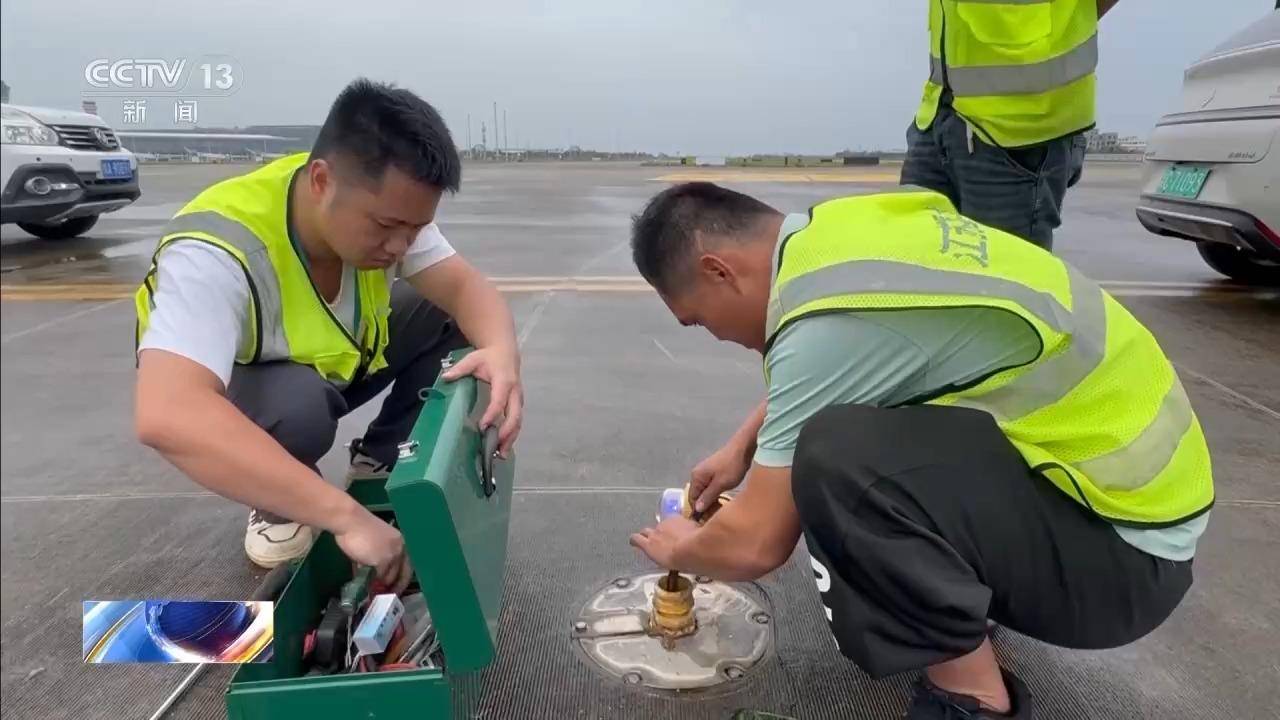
[1239,264]
[61,231]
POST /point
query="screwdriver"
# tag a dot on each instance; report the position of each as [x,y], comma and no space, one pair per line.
[673,576]
[356,589]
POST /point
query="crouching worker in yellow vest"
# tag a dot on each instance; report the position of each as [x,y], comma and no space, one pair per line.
[280,300]
[962,426]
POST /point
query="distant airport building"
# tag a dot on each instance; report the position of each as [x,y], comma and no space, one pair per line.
[1132,144]
[1102,142]
[1109,143]
[207,146]
[265,142]
[301,137]
[846,157]
[239,143]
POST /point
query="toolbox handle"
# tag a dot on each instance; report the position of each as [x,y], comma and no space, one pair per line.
[488,447]
[488,453]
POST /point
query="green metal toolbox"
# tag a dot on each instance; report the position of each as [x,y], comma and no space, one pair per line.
[452,501]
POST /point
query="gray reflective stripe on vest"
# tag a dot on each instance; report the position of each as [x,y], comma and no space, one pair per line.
[869,277]
[1003,2]
[262,273]
[1139,462]
[1051,379]
[979,80]
[1044,383]
[773,312]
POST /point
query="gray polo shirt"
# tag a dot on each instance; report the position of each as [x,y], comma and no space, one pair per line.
[884,359]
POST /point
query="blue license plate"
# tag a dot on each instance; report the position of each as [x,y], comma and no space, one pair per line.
[116,170]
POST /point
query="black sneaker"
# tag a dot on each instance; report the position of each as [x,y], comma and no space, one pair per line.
[930,702]
[363,466]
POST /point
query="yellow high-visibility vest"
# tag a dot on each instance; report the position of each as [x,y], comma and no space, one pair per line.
[1020,71]
[1100,410]
[247,216]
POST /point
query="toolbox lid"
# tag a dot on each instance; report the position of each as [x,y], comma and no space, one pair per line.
[452,501]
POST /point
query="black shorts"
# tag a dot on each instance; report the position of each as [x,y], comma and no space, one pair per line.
[926,521]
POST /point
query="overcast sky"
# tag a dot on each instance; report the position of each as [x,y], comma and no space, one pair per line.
[659,75]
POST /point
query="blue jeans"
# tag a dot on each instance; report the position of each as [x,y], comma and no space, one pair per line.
[1018,190]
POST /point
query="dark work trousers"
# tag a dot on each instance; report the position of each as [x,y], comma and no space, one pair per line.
[1017,190]
[300,409]
[924,521]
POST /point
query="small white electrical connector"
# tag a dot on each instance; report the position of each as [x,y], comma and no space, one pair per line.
[378,625]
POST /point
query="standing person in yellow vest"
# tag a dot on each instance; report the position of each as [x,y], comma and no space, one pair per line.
[1000,129]
[280,300]
[962,426]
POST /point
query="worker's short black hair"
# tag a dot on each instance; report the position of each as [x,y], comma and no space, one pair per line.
[374,126]
[665,234]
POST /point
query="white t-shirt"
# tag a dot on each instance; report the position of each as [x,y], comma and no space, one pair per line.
[202,299]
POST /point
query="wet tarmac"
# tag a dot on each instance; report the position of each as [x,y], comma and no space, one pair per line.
[622,402]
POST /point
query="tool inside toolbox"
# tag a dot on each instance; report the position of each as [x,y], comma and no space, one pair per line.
[367,629]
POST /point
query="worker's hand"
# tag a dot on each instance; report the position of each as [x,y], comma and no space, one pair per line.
[660,542]
[367,540]
[500,367]
[722,471]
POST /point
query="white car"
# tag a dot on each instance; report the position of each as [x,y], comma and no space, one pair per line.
[60,170]
[1212,169]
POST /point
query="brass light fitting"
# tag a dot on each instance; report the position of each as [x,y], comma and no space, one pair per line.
[672,616]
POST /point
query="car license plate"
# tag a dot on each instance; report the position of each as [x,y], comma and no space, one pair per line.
[1182,181]
[116,170]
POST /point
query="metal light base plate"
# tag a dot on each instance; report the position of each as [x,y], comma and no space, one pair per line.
[735,632]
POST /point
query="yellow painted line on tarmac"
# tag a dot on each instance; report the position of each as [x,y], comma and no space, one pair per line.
[116,291]
[623,279]
[577,287]
[51,293]
[21,292]
[777,177]
[69,286]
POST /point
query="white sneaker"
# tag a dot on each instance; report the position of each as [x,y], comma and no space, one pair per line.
[269,544]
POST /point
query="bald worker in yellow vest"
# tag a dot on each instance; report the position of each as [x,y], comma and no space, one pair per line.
[963,427]
[1011,92]
[280,300]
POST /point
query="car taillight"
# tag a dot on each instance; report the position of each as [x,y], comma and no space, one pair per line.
[1268,233]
